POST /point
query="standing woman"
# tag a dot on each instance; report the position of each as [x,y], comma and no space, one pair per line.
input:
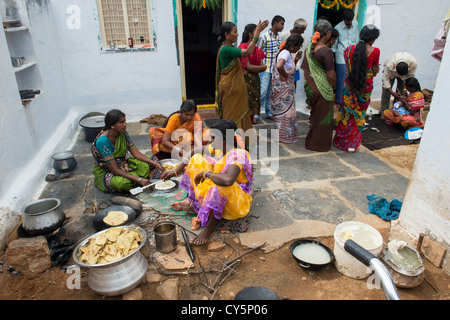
[252,66]
[282,95]
[320,80]
[231,91]
[113,172]
[362,61]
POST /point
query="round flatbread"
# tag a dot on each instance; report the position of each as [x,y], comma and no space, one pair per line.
[115,218]
[165,185]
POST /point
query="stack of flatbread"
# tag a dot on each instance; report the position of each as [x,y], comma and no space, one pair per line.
[110,245]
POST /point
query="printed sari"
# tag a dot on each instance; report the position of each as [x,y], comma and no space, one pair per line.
[185,141]
[351,115]
[104,179]
[319,95]
[282,107]
[416,101]
[231,202]
[231,93]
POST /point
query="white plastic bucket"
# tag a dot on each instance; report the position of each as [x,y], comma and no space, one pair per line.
[366,236]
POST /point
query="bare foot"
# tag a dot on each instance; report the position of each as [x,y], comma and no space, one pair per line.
[207,232]
[183,205]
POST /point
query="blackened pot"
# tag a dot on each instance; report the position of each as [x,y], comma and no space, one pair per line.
[43,216]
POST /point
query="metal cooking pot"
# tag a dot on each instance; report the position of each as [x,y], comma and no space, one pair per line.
[116,277]
[306,264]
[93,123]
[43,216]
[64,161]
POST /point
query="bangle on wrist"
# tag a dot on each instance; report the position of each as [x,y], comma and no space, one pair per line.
[175,173]
[139,181]
[255,39]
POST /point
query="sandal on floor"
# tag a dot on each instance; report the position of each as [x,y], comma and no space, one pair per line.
[54,177]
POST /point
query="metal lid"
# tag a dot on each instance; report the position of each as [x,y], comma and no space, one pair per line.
[95,122]
[63,155]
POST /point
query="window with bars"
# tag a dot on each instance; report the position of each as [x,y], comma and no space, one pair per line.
[121,20]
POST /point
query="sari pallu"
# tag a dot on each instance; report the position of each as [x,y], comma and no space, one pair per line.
[105,180]
[186,140]
[319,95]
[351,115]
[231,202]
[282,107]
[231,94]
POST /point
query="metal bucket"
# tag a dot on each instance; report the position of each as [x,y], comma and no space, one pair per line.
[165,236]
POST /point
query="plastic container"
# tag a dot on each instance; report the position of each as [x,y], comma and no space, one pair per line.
[165,236]
[364,235]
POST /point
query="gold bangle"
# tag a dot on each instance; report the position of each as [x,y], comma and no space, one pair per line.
[211,176]
[175,173]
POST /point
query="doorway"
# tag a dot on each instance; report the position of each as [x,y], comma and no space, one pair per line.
[335,16]
[200,30]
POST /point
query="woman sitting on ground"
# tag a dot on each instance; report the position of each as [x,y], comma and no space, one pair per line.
[412,105]
[113,172]
[219,186]
[164,140]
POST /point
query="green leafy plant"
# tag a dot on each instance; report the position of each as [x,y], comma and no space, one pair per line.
[200,4]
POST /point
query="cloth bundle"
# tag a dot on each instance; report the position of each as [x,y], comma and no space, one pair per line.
[384,209]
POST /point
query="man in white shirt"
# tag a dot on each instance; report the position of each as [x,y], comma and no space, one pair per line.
[348,35]
[400,66]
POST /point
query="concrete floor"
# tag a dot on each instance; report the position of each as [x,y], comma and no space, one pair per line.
[298,194]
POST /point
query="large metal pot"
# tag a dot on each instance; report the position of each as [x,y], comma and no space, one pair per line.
[64,161]
[93,123]
[43,216]
[119,276]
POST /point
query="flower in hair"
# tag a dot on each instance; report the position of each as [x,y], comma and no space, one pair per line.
[316,37]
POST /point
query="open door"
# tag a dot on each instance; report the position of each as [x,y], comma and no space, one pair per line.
[197,34]
[334,14]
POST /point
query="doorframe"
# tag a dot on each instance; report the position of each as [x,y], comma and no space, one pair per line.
[229,13]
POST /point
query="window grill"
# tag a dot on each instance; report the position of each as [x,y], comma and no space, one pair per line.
[124,19]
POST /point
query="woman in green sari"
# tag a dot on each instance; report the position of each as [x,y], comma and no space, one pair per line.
[113,172]
[320,80]
[231,90]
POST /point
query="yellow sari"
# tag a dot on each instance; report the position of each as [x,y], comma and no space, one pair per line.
[231,202]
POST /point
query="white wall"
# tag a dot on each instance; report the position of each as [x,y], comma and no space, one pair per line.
[409,26]
[139,83]
[426,207]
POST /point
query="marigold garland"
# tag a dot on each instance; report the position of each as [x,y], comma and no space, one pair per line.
[328,6]
[348,6]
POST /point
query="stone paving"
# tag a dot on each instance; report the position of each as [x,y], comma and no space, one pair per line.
[300,193]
